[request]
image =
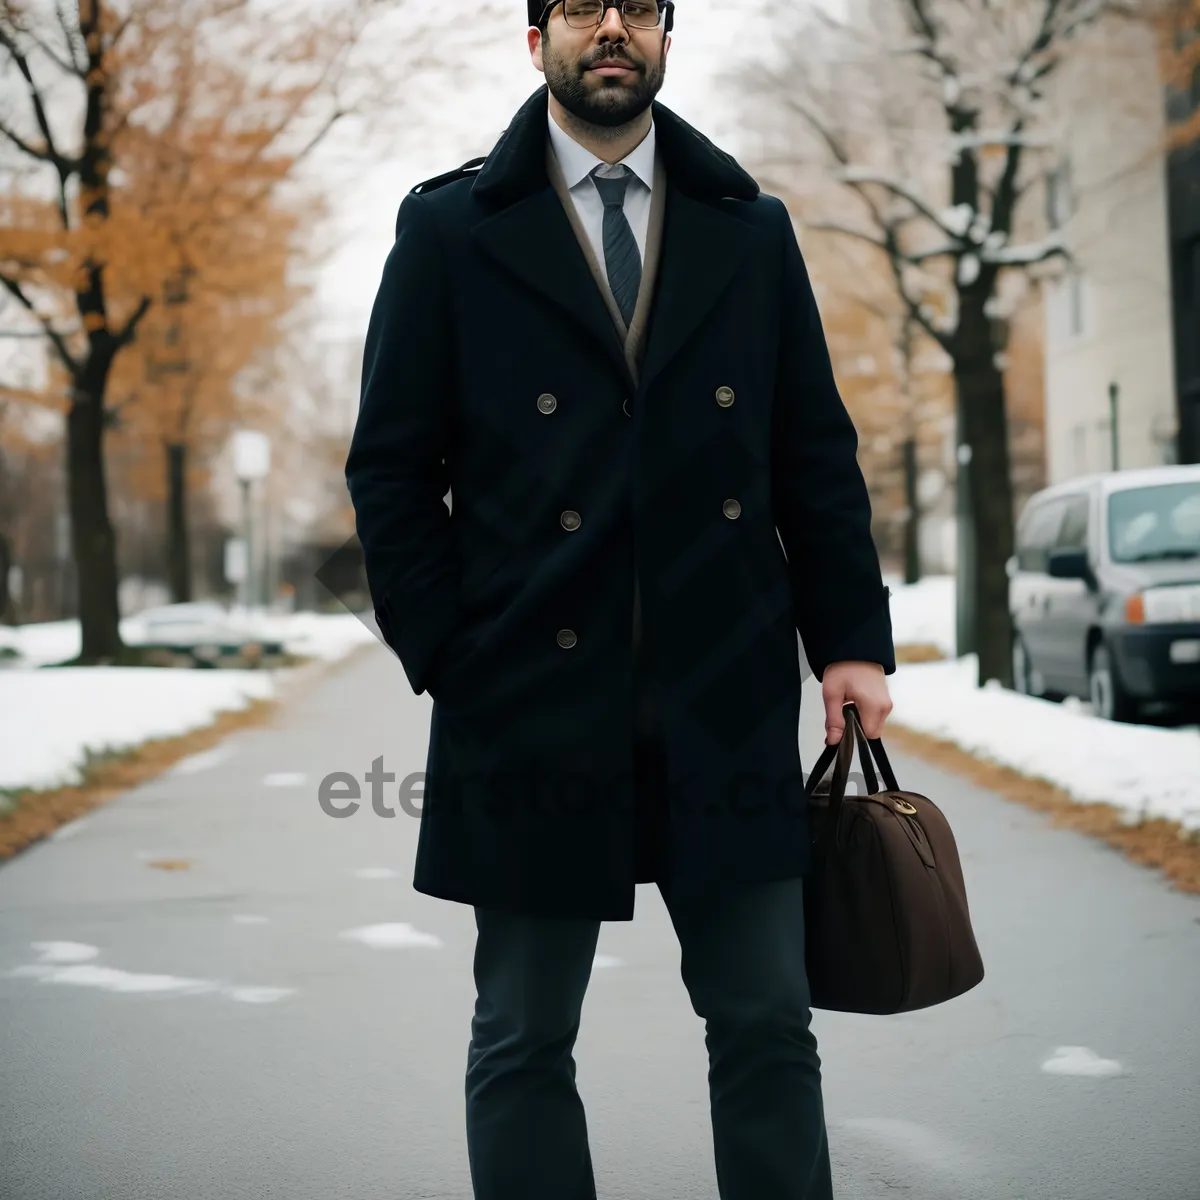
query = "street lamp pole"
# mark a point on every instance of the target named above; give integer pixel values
(247, 577)
(251, 461)
(1113, 393)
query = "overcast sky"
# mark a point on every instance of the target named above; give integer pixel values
(462, 120)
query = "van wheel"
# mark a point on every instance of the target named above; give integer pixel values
(1109, 698)
(1022, 671)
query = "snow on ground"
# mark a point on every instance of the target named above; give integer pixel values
(923, 613)
(50, 718)
(315, 635)
(1142, 769)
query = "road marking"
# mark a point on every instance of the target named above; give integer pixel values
(249, 919)
(69, 963)
(1080, 1061)
(258, 995)
(394, 936)
(284, 779)
(606, 960)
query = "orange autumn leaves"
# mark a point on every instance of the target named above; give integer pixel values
(1179, 41)
(163, 183)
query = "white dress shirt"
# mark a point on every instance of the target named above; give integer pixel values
(577, 164)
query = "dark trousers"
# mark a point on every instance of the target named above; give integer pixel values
(743, 966)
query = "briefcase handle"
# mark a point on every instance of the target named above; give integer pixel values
(842, 756)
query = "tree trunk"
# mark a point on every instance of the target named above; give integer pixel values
(179, 563)
(912, 523)
(981, 392)
(7, 608)
(93, 543)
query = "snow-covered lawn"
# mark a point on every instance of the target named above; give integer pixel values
(923, 613)
(1144, 770)
(313, 635)
(49, 719)
(1141, 769)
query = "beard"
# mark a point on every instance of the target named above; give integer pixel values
(615, 102)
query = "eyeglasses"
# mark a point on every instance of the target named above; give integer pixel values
(588, 14)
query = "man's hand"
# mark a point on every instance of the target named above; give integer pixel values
(862, 684)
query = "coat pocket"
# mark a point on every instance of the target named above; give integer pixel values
(456, 675)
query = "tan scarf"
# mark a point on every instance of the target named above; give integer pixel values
(633, 338)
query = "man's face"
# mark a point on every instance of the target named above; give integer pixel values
(607, 75)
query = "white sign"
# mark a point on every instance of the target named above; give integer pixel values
(251, 454)
(236, 560)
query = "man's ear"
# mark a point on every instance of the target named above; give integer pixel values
(534, 38)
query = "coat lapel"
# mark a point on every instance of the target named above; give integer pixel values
(635, 340)
(701, 252)
(533, 241)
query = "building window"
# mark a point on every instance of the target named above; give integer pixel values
(1059, 201)
(1075, 303)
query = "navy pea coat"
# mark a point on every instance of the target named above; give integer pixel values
(509, 477)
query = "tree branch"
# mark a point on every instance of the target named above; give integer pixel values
(130, 330)
(889, 247)
(64, 164)
(56, 339)
(69, 36)
(861, 176)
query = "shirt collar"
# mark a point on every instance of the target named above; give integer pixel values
(578, 163)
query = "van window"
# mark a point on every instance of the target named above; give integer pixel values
(1073, 533)
(1150, 524)
(1038, 531)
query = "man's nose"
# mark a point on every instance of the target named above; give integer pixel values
(611, 25)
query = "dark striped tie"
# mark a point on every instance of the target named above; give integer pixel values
(622, 258)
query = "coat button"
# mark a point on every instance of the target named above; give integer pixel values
(570, 520)
(627, 407)
(567, 638)
(547, 403)
(724, 396)
(732, 509)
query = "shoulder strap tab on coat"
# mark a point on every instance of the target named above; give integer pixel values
(468, 168)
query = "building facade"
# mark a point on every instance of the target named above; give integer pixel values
(1110, 348)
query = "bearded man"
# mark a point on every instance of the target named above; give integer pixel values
(601, 343)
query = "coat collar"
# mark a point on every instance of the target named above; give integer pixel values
(526, 230)
(516, 166)
(577, 162)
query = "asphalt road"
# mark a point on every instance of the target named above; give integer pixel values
(119, 1080)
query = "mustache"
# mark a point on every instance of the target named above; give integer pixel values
(609, 54)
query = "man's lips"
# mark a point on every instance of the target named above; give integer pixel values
(611, 66)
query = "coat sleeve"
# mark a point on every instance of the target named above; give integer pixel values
(820, 500)
(396, 471)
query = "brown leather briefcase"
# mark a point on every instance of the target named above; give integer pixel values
(887, 928)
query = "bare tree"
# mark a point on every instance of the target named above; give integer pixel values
(930, 125)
